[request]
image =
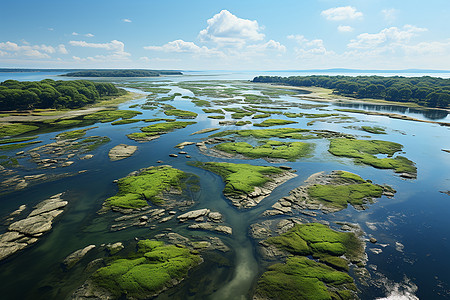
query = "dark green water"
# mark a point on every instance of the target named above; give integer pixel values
(414, 225)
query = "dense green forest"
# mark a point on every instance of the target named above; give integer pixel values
(19, 95)
(121, 73)
(427, 91)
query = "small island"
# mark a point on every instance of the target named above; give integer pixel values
(121, 73)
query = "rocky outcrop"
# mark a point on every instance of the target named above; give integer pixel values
(194, 214)
(121, 151)
(27, 231)
(259, 193)
(76, 256)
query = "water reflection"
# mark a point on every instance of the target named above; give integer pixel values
(430, 114)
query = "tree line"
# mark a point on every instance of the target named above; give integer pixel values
(48, 93)
(426, 91)
(121, 73)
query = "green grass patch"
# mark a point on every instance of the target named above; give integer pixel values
(213, 111)
(147, 272)
(149, 185)
(271, 149)
(363, 151)
(263, 133)
(240, 179)
(7, 129)
(274, 122)
(17, 140)
(217, 117)
(73, 134)
(304, 279)
(374, 129)
(107, 116)
(181, 113)
(161, 128)
(200, 103)
(127, 121)
(17, 146)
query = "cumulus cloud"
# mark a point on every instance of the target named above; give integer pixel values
(342, 13)
(62, 49)
(182, 46)
(225, 28)
(126, 20)
(75, 33)
(269, 46)
(117, 49)
(387, 36)
(89, 35)
(34, 51)
(308, 48)
(345, 28)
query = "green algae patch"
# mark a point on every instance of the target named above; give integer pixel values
(263, 133)
(126, 121)
(302, 278)
(317, 240)
(73, 134)
(8, 129)
(17, 140)
(153, 131)
(261, 116)
(213, 110)
(271, 149)
(161, 128)
(17, 146)
(374, 129)
(90, 143)
(107, 116)
(240, 178)
(152, 269)
(341, 195)
(184, 114)
(364, 151)
(217, 117)
(147, 185)
(274, 122)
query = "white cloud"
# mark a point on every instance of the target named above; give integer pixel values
(269, 46)
(182, 46)
(225, 28)
(390, 15)
(387, 36)
(309, 48)
(342, 13)
(126, 20)
(75, 33)
(36, 51)
(89, 35)
(345, 28)
(62, 49)
(431, 48)
(116, 47)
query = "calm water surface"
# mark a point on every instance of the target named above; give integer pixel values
(413, 228)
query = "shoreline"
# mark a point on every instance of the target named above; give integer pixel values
(325, 95)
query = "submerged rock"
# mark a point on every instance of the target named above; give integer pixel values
(24, 232)
(121, 151)
(76, 256)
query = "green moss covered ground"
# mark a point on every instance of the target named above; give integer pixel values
(274, 122)
(158, 129)
(106, 116)
(264, 133)
(240, 179)
(153, 268)
(184, 114)
(304, 278)
(373, 129)
(364, 151)
(8, 129)
(148, 185)
(271, 149)
(17, 146)
(73, 134)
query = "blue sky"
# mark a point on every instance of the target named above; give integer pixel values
(226, 35)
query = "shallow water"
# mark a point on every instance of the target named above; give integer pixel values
(414, 225)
